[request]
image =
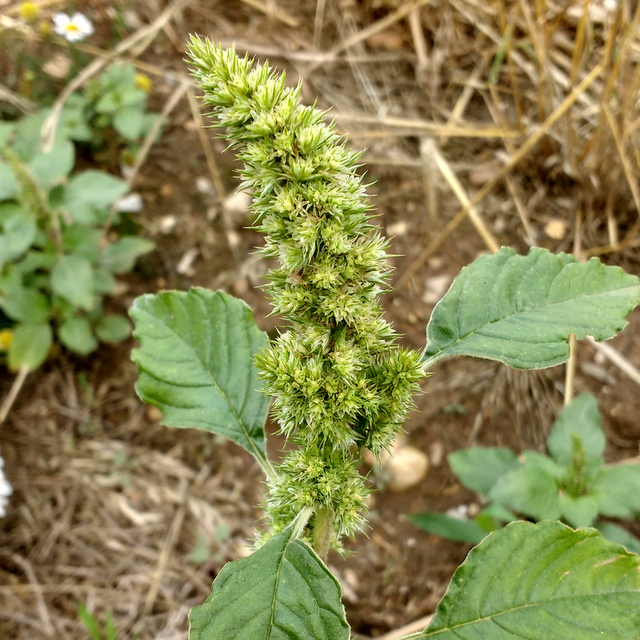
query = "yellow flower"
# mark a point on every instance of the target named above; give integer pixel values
(144, 82)
(44, 28)
(6, 337)
(29, 11)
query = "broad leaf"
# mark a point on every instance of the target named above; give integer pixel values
(520, 310)
(616, 533)
(17, 231)
(528, 490)
(90, 191)
(128, 122)
(82, 241)
(8, 184)
(50, 168)
(76, 334)
(30, 346)
(103, 282)
(578, 511)
(579, 418)
(72, 279)
(281, 592)
(196, 364)
(450, 528)
(541, 581)
(617, 489)
(121, 255)
(113, 328)
(479, 468)
(25, 305)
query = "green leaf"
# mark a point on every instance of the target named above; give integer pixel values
(281, 592)
(541, 582)
(196, 364)
(498, 513)
(528, 490)
(109, 102)
(89, 621)
(8, 184)
(6, 129)
(17, 231)
(578, 511)
(579, 418)
(25, 305)
(618, 490)
(113, 328)
(30, 346)
(82, 241)
(520, 310)
(545, 463)
(479, 468)
(76, 334)
(450, 528)
(121, 255)
(619, 535)
(72, 279)
(128, 122)
(28, 132)
(103, 282)
(91, 191)
(35, 260)
(50, 168)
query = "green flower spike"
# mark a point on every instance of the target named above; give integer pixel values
(338, 379)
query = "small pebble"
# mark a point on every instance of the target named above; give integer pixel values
(406, 468)
(436, 453)
(237, 203)
(556, 229)
(153, 413)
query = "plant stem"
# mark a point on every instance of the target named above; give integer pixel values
(322, 531)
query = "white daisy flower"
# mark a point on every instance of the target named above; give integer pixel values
(74, 28)
(5, 491)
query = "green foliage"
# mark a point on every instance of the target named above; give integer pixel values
(115, 102)
(341, 385)
(282, 591)
(56, 262)
(195, 364)
(571, 484)
(93, 626)
(539, 582)
(520, 310)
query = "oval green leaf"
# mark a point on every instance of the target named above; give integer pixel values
(479, 468)
(196, 364)
(72, 279)
(445, 526)
(113, 328)
(541, 581)
(30, 346)
(76, 335)
(281, 592)
(520, 310)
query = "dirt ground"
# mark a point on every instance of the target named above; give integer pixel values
(115, 511)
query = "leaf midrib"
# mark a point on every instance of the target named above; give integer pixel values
(508, 316)
(518, 608)
(259, 455)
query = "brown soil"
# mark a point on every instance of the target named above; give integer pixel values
(112, 510)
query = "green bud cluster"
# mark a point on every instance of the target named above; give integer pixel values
(338, 379)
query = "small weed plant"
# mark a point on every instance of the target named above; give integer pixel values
(341, 385)
(57, 257)
(571, 484)
(115, 102)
